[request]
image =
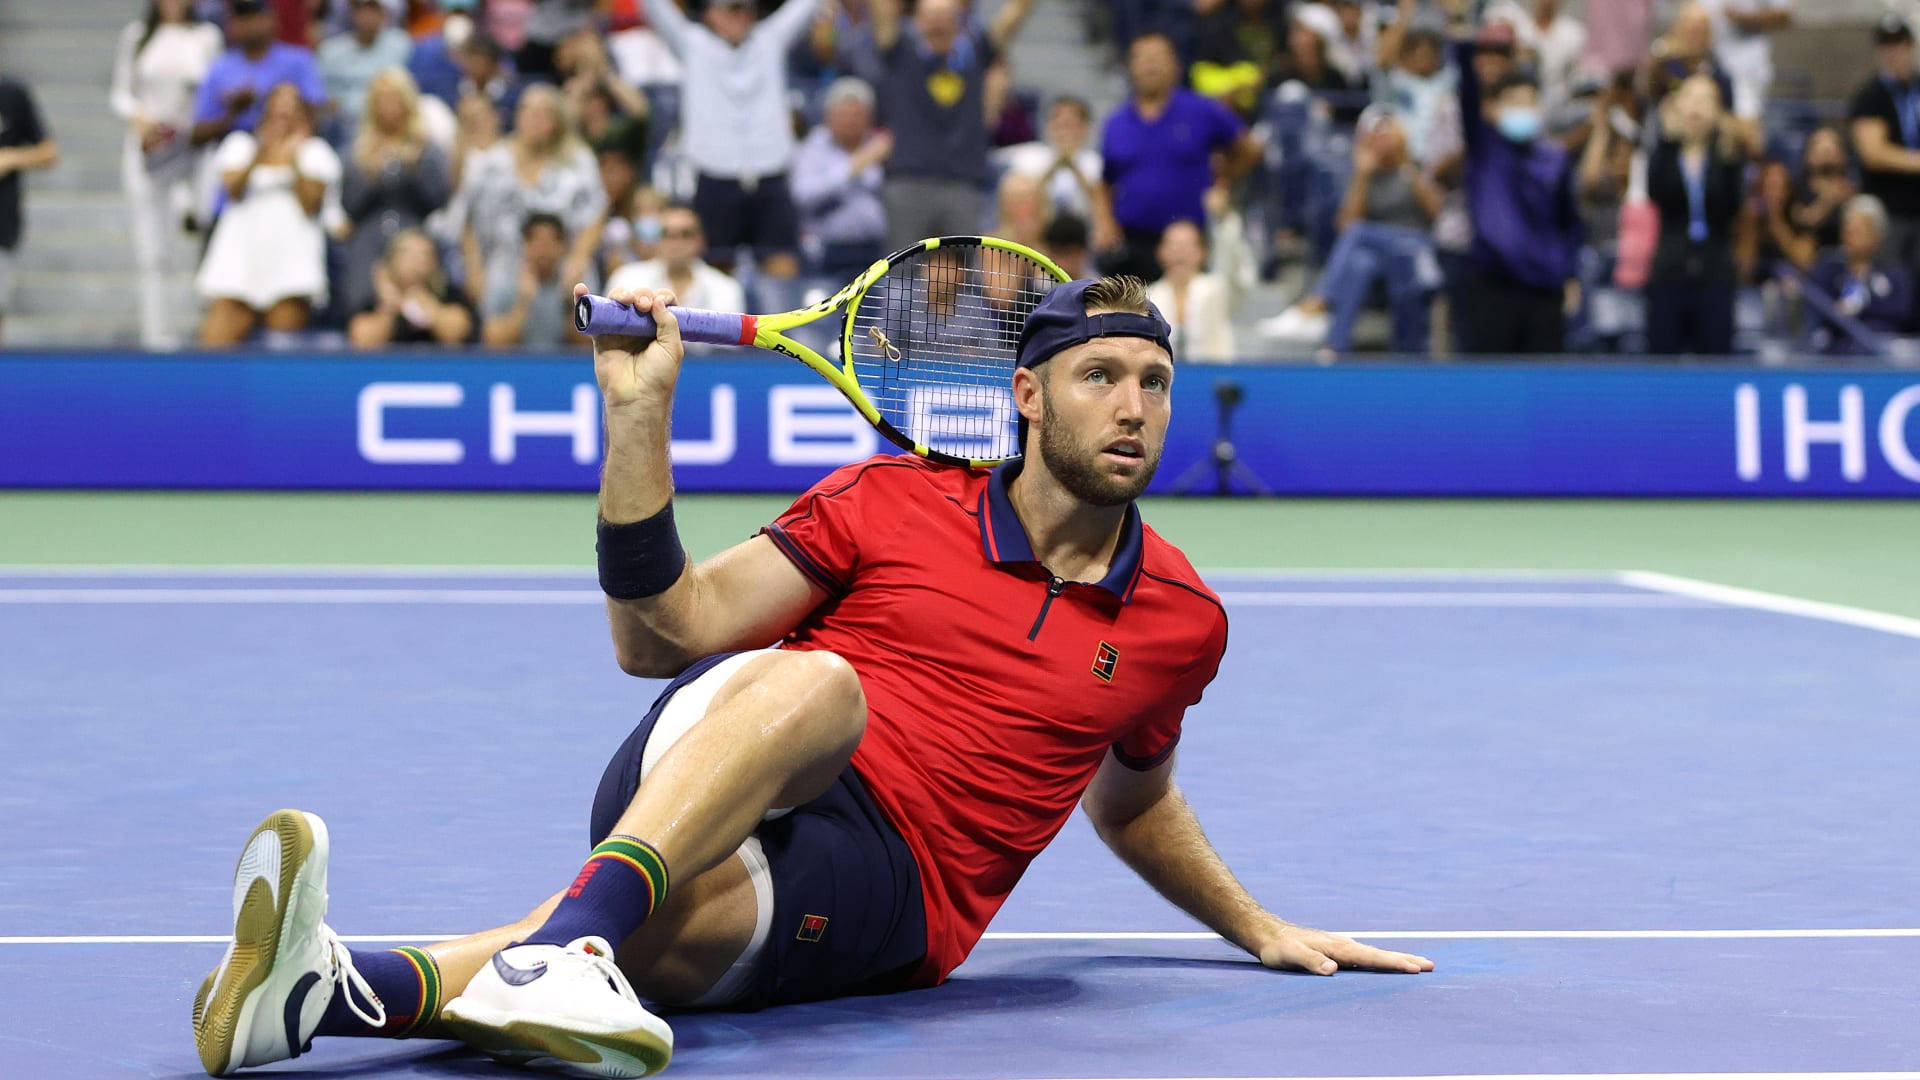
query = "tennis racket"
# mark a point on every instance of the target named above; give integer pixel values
(927, 350)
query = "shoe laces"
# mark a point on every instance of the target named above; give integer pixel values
(345, 972)
(598, 964)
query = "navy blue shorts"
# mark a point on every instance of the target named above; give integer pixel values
(848, 916)
(732, 214)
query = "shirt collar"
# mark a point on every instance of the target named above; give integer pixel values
(1004, 539)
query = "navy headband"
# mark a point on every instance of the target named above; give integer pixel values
(1061, 321)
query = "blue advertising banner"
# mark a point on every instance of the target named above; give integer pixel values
(490, 423)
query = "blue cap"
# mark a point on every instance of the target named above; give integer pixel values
(1061, 321)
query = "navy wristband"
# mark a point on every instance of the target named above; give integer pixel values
(640, 559)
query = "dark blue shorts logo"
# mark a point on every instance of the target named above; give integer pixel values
(811, 927)
(1105, 659)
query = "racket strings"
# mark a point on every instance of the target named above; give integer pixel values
(935, 342)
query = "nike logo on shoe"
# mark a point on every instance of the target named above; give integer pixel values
(296, 998)
(516, 976)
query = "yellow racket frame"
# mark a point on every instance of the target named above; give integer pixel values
(770, 333)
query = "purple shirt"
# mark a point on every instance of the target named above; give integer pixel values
(281, 63)
(1526, 223)
(1159, 169)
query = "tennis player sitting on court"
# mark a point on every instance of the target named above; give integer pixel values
(963, 656)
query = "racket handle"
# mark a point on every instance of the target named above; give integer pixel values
(596, 315)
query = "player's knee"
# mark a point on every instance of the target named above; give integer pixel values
(836, 701)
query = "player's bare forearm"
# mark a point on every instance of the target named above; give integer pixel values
(1145, 820)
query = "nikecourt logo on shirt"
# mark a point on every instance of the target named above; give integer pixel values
(1105, 659)
(811, 927)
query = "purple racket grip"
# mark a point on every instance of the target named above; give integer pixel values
(596, 315)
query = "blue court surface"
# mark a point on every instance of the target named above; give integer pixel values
(1641, 824)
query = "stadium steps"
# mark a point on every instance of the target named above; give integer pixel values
(77, 255)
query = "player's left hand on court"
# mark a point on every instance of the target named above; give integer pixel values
(1297, 948)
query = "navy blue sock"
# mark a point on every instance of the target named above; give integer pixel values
(407, 983)
(623, 882)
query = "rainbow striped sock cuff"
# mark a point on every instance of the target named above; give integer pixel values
(645, 861)
(429, 976)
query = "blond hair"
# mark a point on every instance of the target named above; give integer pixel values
(366, 144)
(566, 137)
(1117, 292)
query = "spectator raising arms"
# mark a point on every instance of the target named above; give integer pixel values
(1742, 42)
(680, 268)
(535, 309)
(933, 97)
(837, 180)
(734, 124)
(267, 258)
(1157, 152)
(1064, 162)
(159, 66)
(1696, 177)
(412, 303)
(1527, 232)
(394, 178)
(231, 98)
(1199, 303)
(541, 168)
(349, 61)
(1885, 123)
(1867, 284)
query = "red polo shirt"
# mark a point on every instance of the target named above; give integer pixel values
(994, 689)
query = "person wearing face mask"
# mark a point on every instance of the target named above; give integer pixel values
(1696, 177)
(1527, 230)
(1884, 121)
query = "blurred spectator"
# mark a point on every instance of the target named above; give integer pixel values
(1551, 36)
(1386, 240)
(1696, 177)
(477, 130)
(1021, 210)
(1200, 303)
(611, 113)
(1354, 48)
(432, 62)
(620, 179)
(1685, 50)
(267, 258)
(1311, 32)
(487, 74)
(1419, 85)
(534, 308)
(232, 97)
(1782, 237)
(541, 168)
(1065, 163)
(161, 59)
(293, 20)
(1867, 284)
(349, 61)
(394, 178)
(25, 144)
(933, 97)
(1885, 123)
(548, 24)
(837, 183)
(1526, 223)
(1158, 152)
(680, 268)
(1606, 161)
(640, 55)
(411, 302)
(1618, 34)
(1066, 242)
(1826, 186)
(1238, 49)
(735, 127)
(1742, 41)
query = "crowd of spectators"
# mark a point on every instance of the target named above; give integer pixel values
(1498, 176)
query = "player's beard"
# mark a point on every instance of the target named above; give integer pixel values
(1078, 468)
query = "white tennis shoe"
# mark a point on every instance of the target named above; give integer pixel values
(568, 1009)
(264, 1000)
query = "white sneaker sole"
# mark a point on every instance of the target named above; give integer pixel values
(280, 893)
(557, 1043)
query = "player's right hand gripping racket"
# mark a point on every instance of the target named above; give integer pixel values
(928, 349)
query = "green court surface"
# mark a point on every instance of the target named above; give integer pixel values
(1854, 553)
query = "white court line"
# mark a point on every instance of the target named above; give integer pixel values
(1122, 935)
(1757, 600)
(1343, 599)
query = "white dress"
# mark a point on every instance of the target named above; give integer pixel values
(265, 248)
